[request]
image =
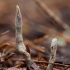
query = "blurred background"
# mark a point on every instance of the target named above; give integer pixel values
(42, 21)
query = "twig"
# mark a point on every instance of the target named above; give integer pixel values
(7, 57)
(56, 19)
(39, 40)
(32, 45)
(4, 45)
(41, 62)
(20, 65)
(4, 33)
(53, 54)
(19, 41)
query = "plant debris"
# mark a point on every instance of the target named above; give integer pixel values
(33, 52)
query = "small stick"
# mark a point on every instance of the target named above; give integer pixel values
(39, 40)
(4, 33)
(41, 62)
(53, 54)
(19, 41)
(56, 19)
(32, 45)
(11, 55)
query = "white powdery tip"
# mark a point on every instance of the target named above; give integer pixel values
(17, 6)
(54, 42)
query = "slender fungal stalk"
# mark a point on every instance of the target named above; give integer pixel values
(19, 41)
(18, 25)
(53, 54)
